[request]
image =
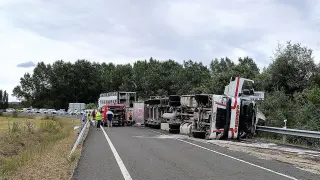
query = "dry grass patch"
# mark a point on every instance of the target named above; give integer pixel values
(36, 143)
(54, 163)
(6, 122)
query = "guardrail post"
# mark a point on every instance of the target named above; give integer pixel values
(284, 137)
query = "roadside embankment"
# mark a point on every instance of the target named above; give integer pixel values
(37, 147)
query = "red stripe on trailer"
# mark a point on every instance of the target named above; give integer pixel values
(221, 130)
(220, 104)
(218, 130)
(232, 131)
(236, 94)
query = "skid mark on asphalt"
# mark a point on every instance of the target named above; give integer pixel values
(176, 137)
(121, 165)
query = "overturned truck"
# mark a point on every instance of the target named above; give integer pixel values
(156, 106)
(230, 116)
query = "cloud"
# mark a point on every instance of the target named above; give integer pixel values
(124, 31)
(26, 64)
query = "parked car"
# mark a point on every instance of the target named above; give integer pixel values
(61, 112)
(52, 111)
(10, 110)
(34, 110)
(27, 110)
(43, 111)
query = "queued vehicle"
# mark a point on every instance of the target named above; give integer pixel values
(10, 110)
(52, 111)
(27, 110)
(61, 112)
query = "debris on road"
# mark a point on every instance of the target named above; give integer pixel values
(305, 159)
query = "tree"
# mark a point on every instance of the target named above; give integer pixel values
(292, 68)
(1, 100)
(4, 99)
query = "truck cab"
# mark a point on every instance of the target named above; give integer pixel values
(119, 112)
(234, 114)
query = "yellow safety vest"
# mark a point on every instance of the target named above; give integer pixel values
(98, 116)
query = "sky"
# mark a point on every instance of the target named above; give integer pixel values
(124, 31)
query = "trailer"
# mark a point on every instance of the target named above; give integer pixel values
(138, 113)
(233, 115)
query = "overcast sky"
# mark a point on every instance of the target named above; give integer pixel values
(122, 31)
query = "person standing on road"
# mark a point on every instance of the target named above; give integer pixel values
(98, 118)
(93, 115)
(89, 117)
(109, 117)
(83, 121)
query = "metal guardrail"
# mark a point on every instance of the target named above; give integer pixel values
(79, 138)
(293, 132)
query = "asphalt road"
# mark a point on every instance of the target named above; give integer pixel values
(145, 154)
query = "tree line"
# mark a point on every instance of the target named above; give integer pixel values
(4, 97)
(291, 82)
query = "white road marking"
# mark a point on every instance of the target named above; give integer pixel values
(121, 165)
(234, 158)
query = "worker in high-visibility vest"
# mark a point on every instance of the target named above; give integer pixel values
(89, 117)
(98, 118)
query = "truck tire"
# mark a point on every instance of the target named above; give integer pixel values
(157, 126)
(174, 100)
(198, 134)
(174, 126)
(174, 131)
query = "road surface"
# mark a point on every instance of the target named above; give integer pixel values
(124, 153)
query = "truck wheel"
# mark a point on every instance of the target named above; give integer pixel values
(174, 131)
(158, 126)
(198, 134)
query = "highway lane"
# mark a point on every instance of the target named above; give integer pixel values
(147, 154)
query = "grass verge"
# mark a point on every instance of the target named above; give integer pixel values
(37, 148)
